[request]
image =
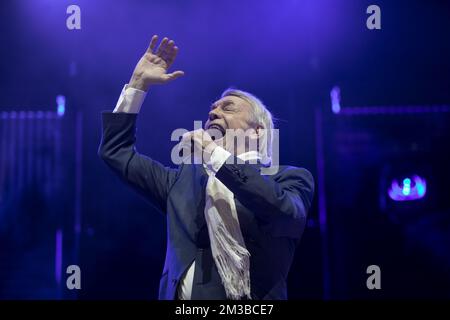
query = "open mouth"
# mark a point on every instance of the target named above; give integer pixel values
(217, 127)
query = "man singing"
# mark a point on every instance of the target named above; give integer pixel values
(232, 230)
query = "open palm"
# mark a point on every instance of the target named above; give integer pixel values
(153, 67)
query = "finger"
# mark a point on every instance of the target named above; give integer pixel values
(173, 75)
(162, 46)
(152, 45)
(198, 132)
(207, 137)
(197, 135)
(187, 139)
(186, 136)
(172, 55)
(168, 49)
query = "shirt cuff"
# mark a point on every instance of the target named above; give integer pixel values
(218, 157)
(130, 100)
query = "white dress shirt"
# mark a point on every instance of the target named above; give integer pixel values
(130, 101)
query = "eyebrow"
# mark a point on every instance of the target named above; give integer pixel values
(225, 102)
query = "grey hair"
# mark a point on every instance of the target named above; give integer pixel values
(261, 116)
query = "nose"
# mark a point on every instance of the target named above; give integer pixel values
(213, 115)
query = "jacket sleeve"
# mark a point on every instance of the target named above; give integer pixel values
(288, 194)
(117, 149)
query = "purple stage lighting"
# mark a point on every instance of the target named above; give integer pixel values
(335, 95)
(58, 255)
(411, 189)
(61, 105)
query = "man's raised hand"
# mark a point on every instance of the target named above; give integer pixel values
(153, 66)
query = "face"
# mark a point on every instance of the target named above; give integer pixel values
(230, 112)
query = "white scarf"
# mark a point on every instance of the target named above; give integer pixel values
(227, 243)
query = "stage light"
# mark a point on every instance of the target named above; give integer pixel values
(58, 255)
(335, 95)
(411, 189)
(406, 187)
(61, 105)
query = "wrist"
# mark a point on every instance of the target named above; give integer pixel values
(136, 82)
(218, 158)
(208, 150)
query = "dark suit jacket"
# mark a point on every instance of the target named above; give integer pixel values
(271, 209)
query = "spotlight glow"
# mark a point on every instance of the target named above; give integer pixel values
(335, 95)
(411, 189)
(61, 105)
